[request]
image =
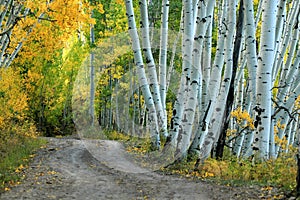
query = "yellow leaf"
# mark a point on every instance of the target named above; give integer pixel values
(32, 156)
(267, 188)
(67, 81)
(51, 172)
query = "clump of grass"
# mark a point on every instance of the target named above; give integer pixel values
(133, 144)
(280, 172)
(230, 170)
(17, 154)
(115, 135)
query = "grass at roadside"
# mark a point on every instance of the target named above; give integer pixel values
(18, 152)
(279, 173)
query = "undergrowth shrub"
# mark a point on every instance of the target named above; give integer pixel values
(115, 135)
(19, 151)
(17, 131)
(280, 172)
(14, 122)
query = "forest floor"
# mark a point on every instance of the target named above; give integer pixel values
(66, 169)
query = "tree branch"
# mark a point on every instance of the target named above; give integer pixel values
(280, 108)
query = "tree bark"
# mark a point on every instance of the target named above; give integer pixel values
(231, 97)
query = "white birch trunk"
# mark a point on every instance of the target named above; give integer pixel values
(154, 134)
(285, 114)
(213, 87)
(288, 134)
(92, 75)
(288, 74)
(251, 54)
(287, 34)
(162, 122)
(204, 99)
(292, 136)
(219, 108)
(240, 139)
(263, 106)
(185, 131)
(281, 17)
(188, 33)
(163, 54)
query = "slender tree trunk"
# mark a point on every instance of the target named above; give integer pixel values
(188, 33)
(152, 69)
(231, 97)
(163, 60)
(92, 75)
(153, 122)
(219, 108)
(185, 130)
(263, 106)
(210, 88)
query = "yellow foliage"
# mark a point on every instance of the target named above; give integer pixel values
(19, 169)
(243, 117)
(283, 141)
(297, 103)
(169, 109)
(13, 99)
(212, 167)
(135, 96)
(99, 8)
(115, 135)
(45, 33)
(230, 132)
(121, 2)
(51, 172)
(115, 20)
(281, 172)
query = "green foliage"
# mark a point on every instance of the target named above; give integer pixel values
(49, 87)
(111, 20)
(175, 15)
(139, 146)
(280, 172)
(109, 78)
(231, 170)
(115, 135)
(19, 151)
(133, 144)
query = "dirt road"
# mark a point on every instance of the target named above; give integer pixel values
(65, 169)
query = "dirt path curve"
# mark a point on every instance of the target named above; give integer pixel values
(65, 169)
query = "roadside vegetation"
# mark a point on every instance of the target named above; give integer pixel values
(44, 46)
(15, 156)
(279, 174)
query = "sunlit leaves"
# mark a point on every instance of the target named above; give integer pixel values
(51, 26)
(112, 20)
(281, 142)
(12, 97)
(243, 116)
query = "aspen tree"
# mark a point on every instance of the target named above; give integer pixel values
(152, 116)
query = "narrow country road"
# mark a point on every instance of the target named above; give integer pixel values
(65, 169)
